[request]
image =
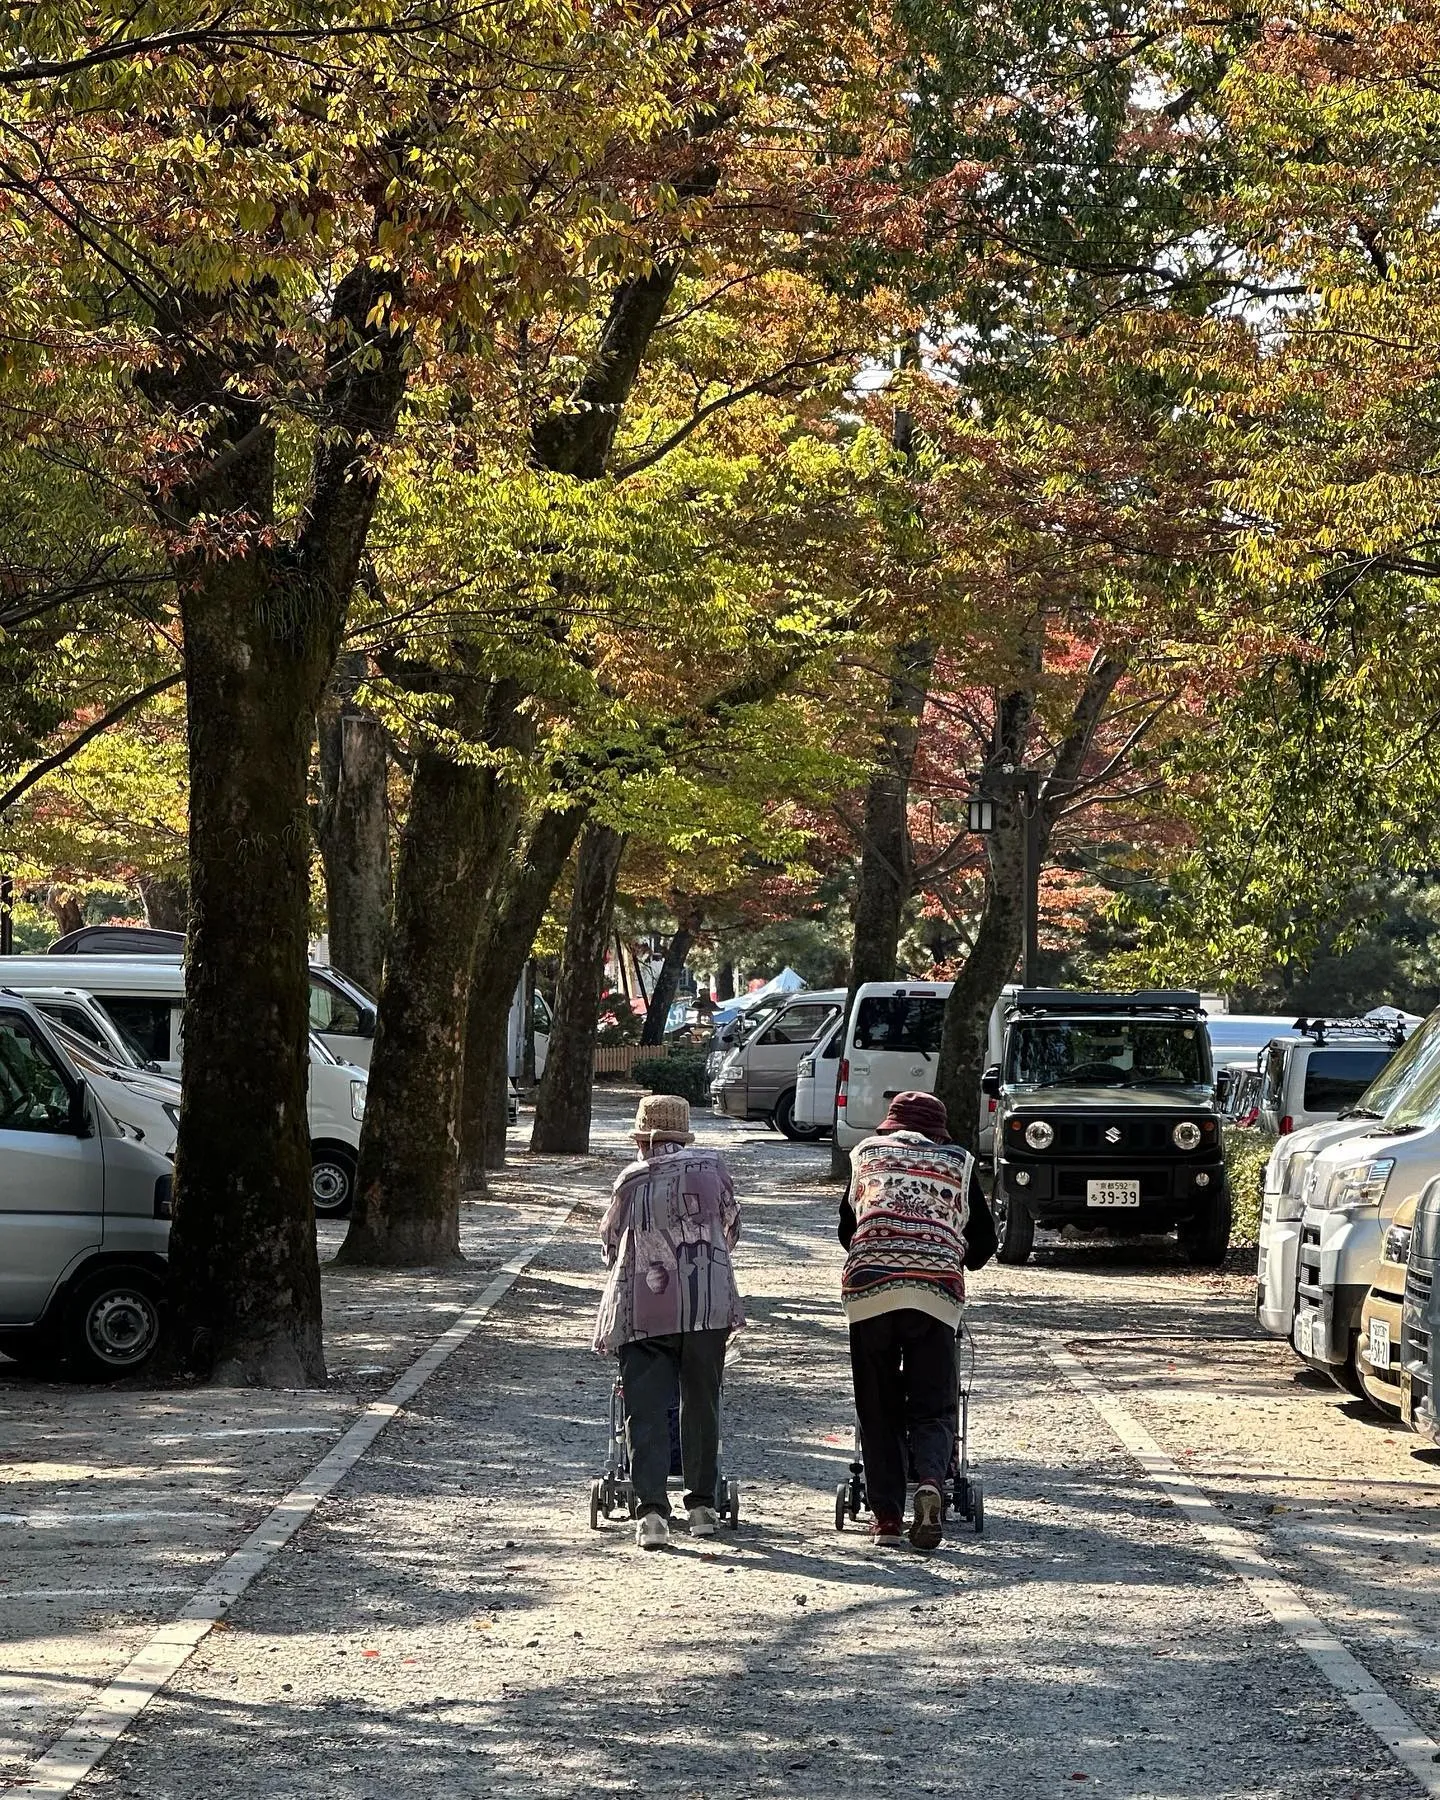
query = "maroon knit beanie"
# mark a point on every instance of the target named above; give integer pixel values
(918, 1112)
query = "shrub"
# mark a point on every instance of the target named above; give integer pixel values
(1246, 1153)
(683, 1075)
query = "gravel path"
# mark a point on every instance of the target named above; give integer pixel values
(448, 1625)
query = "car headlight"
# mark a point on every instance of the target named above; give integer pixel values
(357, 1099)
(1186, 1135)
(1039, 1134)
(1358, 1186)
(1397, 1244)
(171, 1112)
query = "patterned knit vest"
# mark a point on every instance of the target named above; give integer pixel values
(910, 1199)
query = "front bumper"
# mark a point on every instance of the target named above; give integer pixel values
(1056, 1190)
(1417, 1363)
(730, 1101)
(1276, 1270)
(1380, 1327)
(1339, 1254)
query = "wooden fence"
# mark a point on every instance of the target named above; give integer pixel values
(620, 1059)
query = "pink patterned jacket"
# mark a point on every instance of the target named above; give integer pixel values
(666, 1240)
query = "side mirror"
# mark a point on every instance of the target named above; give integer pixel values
(368, 1016)
(990, 1082)
(82, 1123)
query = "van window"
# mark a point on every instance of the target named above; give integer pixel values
(34, 1095)
(332, 1011)
(541, 1018)
(77, 1019)
(900, 1022)
(800, 1024)
(144, 1023)
(1335, 1079)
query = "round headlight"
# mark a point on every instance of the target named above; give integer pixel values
(1186, 1135)
(1039, 1134)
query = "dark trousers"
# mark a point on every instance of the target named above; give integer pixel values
(650, 1371)
(906, 1395)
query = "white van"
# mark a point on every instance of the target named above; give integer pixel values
(84, 1213)
(1352, 1189)
(144, 996)
(148, 1104)
(816, 1075)
(891, 1046)
(1287, 1173)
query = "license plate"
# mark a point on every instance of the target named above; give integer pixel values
(1379, 1343)
(1305, 1333)
(1112, 1193)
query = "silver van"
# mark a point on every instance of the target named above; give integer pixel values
(84, 1214)
(757, 1078)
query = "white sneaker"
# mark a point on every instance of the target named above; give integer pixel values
(652, 1531)
(704, 1521)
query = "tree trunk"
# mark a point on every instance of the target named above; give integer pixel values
(562, 1109)
(166, 899)
(725, 981)
(262, 629)
(886, 874)
(353, 830)
(506, 940)
(667, 983)
(1000, 937)
(69, 915)
(245, 1282)
(460, 829)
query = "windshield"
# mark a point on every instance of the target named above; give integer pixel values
(1407, 1090)
(1108, 1052)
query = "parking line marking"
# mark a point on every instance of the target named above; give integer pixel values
(116, 1707)
(1406, 1741)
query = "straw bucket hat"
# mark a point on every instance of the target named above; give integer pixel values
(663, 1118)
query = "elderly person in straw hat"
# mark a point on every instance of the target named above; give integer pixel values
(669, 1307)
(913, 1219)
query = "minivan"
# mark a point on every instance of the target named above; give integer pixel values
(84, 1213)
(1324, 1073)
(144, 997)
(756, 1080)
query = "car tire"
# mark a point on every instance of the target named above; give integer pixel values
(332, 1181)
(1014, 1227)
(1347, 1377)
(1205, 1239)
(113, 1324)
(784, 1120)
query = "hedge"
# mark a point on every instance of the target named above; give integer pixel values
(1246, 1153)
(683, 1075)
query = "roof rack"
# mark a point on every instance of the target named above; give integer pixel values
(1389, 1031)
(1145, 1000)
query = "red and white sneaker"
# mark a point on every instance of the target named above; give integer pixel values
(887, 1531)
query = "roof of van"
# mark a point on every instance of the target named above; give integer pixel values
(93, 974)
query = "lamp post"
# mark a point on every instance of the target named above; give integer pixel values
(980, 815)
(7, 916)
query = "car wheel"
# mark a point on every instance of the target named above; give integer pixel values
(332, 1182)
(784, 1117)
(114, 1324)
(1206, 1238)
(1014, 1227)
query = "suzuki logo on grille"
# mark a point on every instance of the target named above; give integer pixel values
(1112, 1136)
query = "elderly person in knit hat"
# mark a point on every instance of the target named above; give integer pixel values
(669, 1307)
(913, 1218)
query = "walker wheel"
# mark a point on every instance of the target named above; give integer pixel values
(977, 1500)
(732, 1494)
(597, 1503)
(842, 1504)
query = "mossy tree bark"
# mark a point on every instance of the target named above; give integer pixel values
(262, 629)
(353, 829)
(461, 828)
(506, 939)
(562, 1109)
